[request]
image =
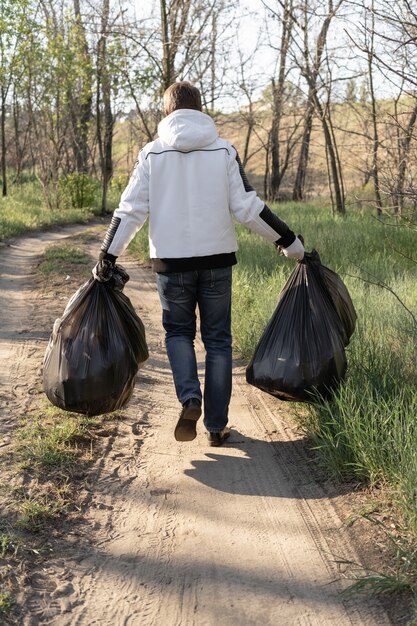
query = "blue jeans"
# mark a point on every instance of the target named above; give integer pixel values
(180, 293)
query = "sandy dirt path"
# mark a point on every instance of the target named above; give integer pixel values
(179, 534)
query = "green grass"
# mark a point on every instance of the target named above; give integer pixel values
(139, 245)
(59, 258)
(8, 543)
(368, 431)
(38, 512)
(368, 428)
(25, 209)
(400, 575)
(51, 445)
(6, 603)
(54, 440)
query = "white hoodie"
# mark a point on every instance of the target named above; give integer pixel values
(190, 185)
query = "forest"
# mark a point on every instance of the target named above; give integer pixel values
(319, 96)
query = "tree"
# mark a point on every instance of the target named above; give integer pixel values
(278, 166)
(13, 30)
(390, 47)
(350, 95)
(311, 66)
(56, 89)
(375, 138)
(81, 98)
(104, 118)
(48, 82)
(180, 41)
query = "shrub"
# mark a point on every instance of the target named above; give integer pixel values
(119, 183)
(78, 190)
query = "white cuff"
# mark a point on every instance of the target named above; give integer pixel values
(295, 250)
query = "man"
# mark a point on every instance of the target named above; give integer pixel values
(191, 184)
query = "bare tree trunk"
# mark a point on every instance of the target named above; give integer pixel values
(336, 182)
(274, 143)
(247, 114)
(311, 71)
(311, 76)
(278, 100)
(3, 141)
(168, 70)
(213, 59)
(174, 21)
(18, 147)
(375, 141)
(300, 177)
(403, 163)
(266, 172)
(17, 137)
(82, 103)
(104, 135)
(249, 130)
(108, 145)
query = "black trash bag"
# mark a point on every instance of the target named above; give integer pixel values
(342, 301)
(301, 352)
(95, 349)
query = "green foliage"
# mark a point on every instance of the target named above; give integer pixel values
(78, 190)
(119, 183)
(139, 245)
(54, 441)
(13, 30)
(8, 544)
(24, 209)
(36, 513)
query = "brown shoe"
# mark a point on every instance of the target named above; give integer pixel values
(186, 428)
(217, 439)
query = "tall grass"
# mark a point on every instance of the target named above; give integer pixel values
(369, 429)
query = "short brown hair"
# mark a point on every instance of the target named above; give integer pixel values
(182, 95)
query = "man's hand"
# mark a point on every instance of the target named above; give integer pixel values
(295, 250)
(103, 271)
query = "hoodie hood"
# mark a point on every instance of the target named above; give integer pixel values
(187, 129)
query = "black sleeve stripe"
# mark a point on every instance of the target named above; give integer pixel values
(286, 240)
(280, 227)
(246, 183)
(114, 225)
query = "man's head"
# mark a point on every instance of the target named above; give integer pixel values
(181, 95)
